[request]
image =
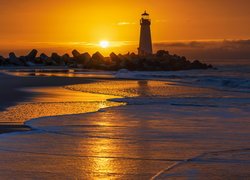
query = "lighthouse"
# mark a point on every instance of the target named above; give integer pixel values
(145, 47)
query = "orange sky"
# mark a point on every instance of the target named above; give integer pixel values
(26, 23)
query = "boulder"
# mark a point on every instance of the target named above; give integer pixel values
(162, 53)
(86, 56)
(75, 53)
(97, 60)
(98, 57)
(38, 61)
(57, 59)
(14, 60)
(198, 65)
(162, 60)
(133, 55)
(45, 59)
(32, 55)
(114, 58)
(2, 60)
(66, 59)
(83, 59)
(23, 59)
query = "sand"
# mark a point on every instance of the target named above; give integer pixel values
(11, 95)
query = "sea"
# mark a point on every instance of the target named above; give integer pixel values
(149, 125)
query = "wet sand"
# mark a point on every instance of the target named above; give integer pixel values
(11, 94)
(10, 85)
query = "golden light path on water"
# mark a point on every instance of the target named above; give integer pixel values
(54, 101)
(140, 88)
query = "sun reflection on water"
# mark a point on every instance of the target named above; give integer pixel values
(135, 88)
(54, 101)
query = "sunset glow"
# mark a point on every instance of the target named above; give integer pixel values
(28, 25)
(124, 89)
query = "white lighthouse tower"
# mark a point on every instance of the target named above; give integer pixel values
(145, 47)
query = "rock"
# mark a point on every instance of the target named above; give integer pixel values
(83, 59)
(198, 65)
(29, 63)
(98, 57)
(114, 62)
(133, 55)
(86, 56)
(114, 58)
(69, 61)
(162, 53)
(210, 66)
(57, 59)
(12, 56)
(23, 59)
(183, 58)
(38, 61)
(75, 53)
(160, 61)
(97, 60)
(32, 55)
(45, 59)
(66, 59)
(72, 64)
(2, 60)
(14, 60)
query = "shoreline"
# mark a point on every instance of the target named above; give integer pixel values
(33, 90)
(13, 84)
(17, 83)
(13, 127)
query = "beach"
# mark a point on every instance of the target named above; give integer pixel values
(125, 90)
(144, 127)
(15, 90)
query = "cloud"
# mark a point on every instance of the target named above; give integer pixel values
(125, 23)
(226, 49)
(161, 20)
(193, 44)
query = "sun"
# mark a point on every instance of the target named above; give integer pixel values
(104, 44)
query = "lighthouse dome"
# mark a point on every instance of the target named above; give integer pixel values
(145, 13)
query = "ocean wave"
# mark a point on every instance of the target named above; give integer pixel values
(189, 101)
(222, 80)
(235, 84)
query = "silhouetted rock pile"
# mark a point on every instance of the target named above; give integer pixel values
(161, 61)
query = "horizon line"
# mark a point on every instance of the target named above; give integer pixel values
(121, 43)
